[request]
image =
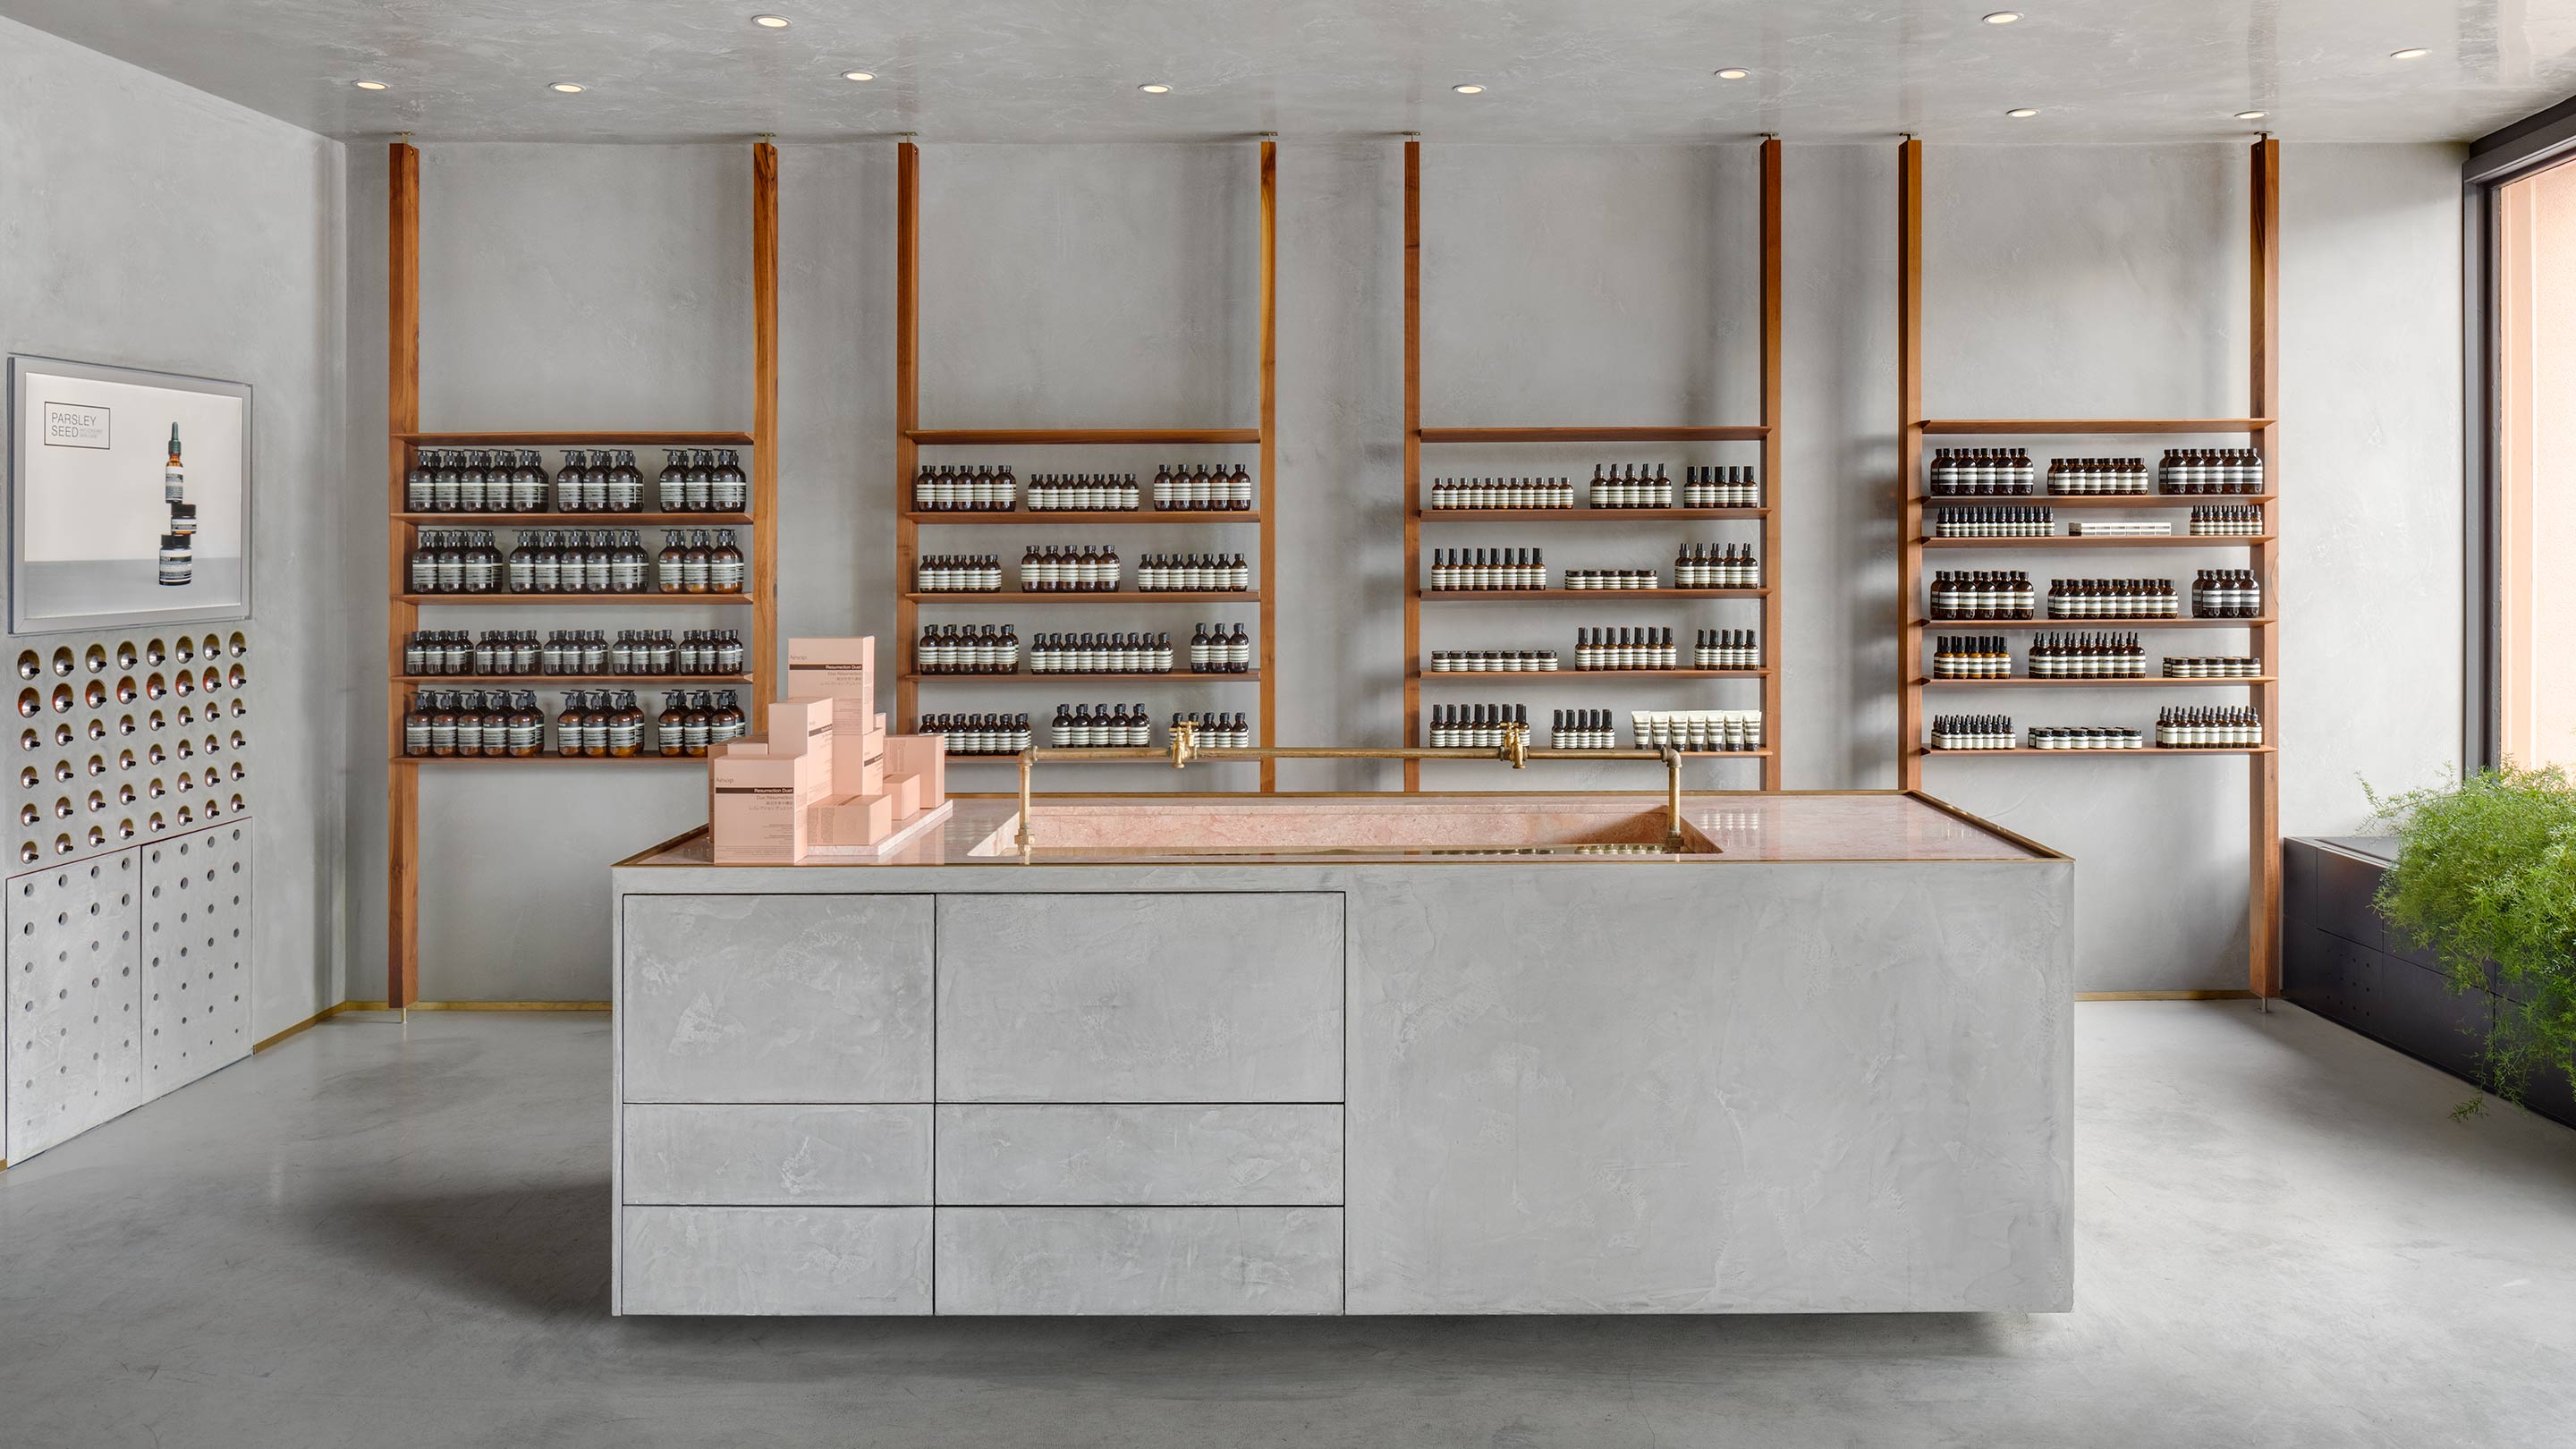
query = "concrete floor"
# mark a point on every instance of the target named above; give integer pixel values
(391, 1236)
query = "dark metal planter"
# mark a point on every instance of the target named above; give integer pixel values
(2340, 960)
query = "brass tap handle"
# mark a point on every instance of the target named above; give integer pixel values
(1185, 742)
(1515, 750)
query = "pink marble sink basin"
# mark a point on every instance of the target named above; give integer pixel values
(1326, 826)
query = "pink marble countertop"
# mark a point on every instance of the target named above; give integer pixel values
(1842, 826)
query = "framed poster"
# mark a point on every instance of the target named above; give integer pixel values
(129, 497)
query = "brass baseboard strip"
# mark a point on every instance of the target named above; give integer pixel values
(507, 1006)
(2164, 996)
(328, 1012)
(310, 1022)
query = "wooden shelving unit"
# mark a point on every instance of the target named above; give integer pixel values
(1050, 518)
(2144, 754)
(2152, 683)
(405, 437)
(1417, 515)
(1114, 596)
(580, 601)
(2240, 540)
(1565, 676)
(911, 437)
(1510, 596)
(574, 520)
(1131, 677)
(2259, 428)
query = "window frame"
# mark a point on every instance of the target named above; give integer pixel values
(2522, 149)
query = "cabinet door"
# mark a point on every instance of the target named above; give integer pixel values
(75, 1041)
(196, 955)
(1121, 1260)
(775, 999)
(775, 1260)
(1141, 998)
(1258, 1155)
(759, 1154)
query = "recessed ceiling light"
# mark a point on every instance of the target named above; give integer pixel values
(567, 87)
(1154, 88)
(370, 85)
(1733, 72)
(2003, 17)
(2412, 52)
(858, 75)
(770, 22)
(2251, 115)
(1469, 90)
(2021, 113)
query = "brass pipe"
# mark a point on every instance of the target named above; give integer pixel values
(1185, 750)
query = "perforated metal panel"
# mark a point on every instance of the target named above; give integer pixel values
(125, 744)
(196, 955)
(126, 738)
(75, 1052)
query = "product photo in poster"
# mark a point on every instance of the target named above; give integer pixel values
(129, 496)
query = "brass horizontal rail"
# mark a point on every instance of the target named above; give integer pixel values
(1185, 750)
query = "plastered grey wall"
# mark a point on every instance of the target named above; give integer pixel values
(1082, 285)
(145, 224)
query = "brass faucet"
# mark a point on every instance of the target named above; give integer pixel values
(1184, 750)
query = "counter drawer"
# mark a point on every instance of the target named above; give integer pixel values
(1207, 997)
(776, 1260)
(775, 998)
(1126, 1260)
(1273, 1155)
(765, 1155)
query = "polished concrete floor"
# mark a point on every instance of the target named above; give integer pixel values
(390, 1236)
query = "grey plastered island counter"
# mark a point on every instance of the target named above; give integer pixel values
(1206, 1055)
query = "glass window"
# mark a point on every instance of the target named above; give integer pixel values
(2534, 518)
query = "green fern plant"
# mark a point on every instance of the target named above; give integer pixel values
(2486, 879)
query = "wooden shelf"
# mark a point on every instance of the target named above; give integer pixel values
(2074, 427)
(2092, 500)
(2152, 682)
(1588, 515)
(756, 516)
(575, 681)
(1920, 546)
(1563, 676)
(576, 520)
(2105, 625)
(1761, 754)
(1033, 677)
(549, 759)
(1117, 596)
(2158, 751)
(2240, 540)
(576, 440)
(1076, 437)
(581, 601)
(1737, 433)
(1456, 596)
(1766, 430)
(1258, 267)
(1037, 518)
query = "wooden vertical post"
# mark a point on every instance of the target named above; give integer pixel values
(1774, 654)
(1266, 493)
(1909, 461)
(402, 415)
(2263, 897)
(907, 420)
(764, 430)
(1412, 458)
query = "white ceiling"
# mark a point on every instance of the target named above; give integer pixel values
(1582, 70)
